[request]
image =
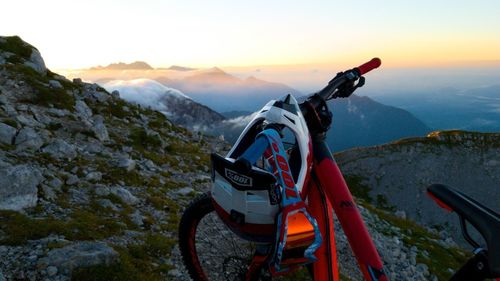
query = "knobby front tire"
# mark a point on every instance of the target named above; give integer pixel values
(209, 249)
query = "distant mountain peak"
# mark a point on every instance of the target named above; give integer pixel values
(180, 68)
(252, 78)
(138, 65)
(215, 70)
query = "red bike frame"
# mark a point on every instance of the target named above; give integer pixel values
(326, 189)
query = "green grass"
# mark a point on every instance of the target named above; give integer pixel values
(11, 122)
(81, 225)
(14, 44)
(44, 95)
(115, 109)
(136, 262)
(357, 188)
(140, 139)
(440, 258)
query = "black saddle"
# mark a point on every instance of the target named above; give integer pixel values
(485, 220)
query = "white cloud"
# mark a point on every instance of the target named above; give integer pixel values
(145, 92)
(240, 121)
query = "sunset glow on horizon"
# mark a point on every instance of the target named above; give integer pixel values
(81, 34)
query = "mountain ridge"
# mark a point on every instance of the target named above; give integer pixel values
(137, 65)
(397, 174)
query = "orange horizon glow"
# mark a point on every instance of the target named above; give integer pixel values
(222, 33)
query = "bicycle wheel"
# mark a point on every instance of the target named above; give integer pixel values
(209, 249)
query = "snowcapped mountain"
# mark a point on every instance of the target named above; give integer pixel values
(179, 108)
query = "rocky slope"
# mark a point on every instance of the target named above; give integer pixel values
(90, 185)
(396, 175)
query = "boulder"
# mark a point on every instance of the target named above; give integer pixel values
(185, 191)
(125, 195)
(137, 218)
(93, 176)
(36, 62)
(125, 162)
(60, 149)
(82, 110)
(28, 120)
(79, 255)
(48, 192)
(29, 139)
(7, 133)
(18, 187)
(99, 129)
(55, 84)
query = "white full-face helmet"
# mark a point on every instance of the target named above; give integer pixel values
(247, 201)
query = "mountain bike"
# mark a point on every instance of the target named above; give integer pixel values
(270, 209)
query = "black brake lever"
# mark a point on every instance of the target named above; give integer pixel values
(349, 87)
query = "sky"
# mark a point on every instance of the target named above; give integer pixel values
(80, 34)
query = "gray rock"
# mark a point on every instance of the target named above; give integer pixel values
(82, 110)
(79, 196)
(100, 96)
(28, 120)
(60, 149)
(40, 117)
(99, 129)
(93, 147)
(3, 99)
(58, 112)
(29, 139)
(36, 62)
(18, 187)
(125, 163)
(106, 203)
(115, 94)
(78, 255)
(102, 190)
(94, 176)
(137, 218)
(72, 180)
(423, 268)
(125, 195)
(22, 107)
(184, 191)
(48, 192)
(174, 273)
(55, 84)
(400, 214)
(77, 80)
(7, 133)
(55, 183)
(51, 271)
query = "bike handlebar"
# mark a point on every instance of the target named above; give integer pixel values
(369, 66)
(341, 86)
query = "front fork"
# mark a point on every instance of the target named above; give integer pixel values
(332, 183)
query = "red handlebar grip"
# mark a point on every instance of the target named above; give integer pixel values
(368, 66)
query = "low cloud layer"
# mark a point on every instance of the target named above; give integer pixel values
(145, 92)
